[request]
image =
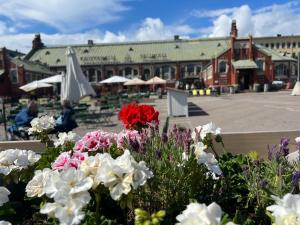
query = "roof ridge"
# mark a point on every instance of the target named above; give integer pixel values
(140, 42)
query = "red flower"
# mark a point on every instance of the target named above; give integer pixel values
(138, 116)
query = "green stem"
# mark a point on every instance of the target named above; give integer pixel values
(98, 200)
(213, 149)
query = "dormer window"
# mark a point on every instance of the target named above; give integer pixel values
(47, 53)
(177, 46)
(85, 51)
(130, 49)
(58, 61)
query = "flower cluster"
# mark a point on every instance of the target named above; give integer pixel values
(201, 214)
(78, 173)
(286, 210)
(69, 190)
(3, 195)
(119, 175)
(64, 138)
(16, 159)
(96, 140)
(136, 116)
(42, 124)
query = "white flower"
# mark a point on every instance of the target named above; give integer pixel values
(286, 210)
(208, 159)
(2, 222)
(199, 148)
(36, 187)
(66, 137)
(41, 124)
(206, 129)
(16, 159)
(91, 165)
(200, 214)
(67, 214)
(141, 174)
(117, 175)
(4, 195)
(297, 139)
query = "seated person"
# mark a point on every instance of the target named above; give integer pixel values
(23, 119)
(66, 122)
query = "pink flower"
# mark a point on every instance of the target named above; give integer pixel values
(65, 160)
(96, 140)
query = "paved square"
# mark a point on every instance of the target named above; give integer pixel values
(246, 112)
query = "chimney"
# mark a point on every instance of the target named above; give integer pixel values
(37, 42)
(90, 42)
(176, 38)
(234, 30)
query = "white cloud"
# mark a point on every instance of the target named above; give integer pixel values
(149, 29)
(64, 15)
(270, 20)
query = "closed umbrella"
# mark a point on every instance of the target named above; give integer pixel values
(134, 82)
(74, 83)
(34, 85)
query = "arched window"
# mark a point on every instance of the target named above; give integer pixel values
(222, 67)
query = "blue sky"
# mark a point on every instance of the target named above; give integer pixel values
(76, 21)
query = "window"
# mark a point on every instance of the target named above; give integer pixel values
(272, 45)
(146, 74)
(260, 64)
(281, 69)
(267, 45)
(157, 72)
(198, 70)
(294, 44)
(109, 73)
(92, 75)
(222, 67)
(166, 72)
(172, 73)
(283, 45)
(191, 69)
(298, 44)
(13, 74)
(277, 45)
(288, 45)
(128, 72)
(98, 75)
(135, 72)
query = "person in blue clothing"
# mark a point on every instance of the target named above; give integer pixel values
(23, 119)
(66, 122)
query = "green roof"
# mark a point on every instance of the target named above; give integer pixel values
(244, 64)
(32, 66)
(276, 56)
(135, 52)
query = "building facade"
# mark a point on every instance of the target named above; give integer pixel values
(225, 61)
(15, 72)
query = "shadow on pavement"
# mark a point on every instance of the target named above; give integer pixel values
(195, 110)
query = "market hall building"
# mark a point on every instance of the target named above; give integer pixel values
(222, 61)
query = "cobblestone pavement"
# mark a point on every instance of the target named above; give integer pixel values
(246, 112)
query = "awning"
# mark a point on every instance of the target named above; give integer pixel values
(2, 72)
(244, 64)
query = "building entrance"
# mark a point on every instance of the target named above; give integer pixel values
(245, 79)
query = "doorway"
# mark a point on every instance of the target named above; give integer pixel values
(245, 79)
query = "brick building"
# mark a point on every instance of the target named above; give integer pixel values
(15, 72)
(223, 61)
